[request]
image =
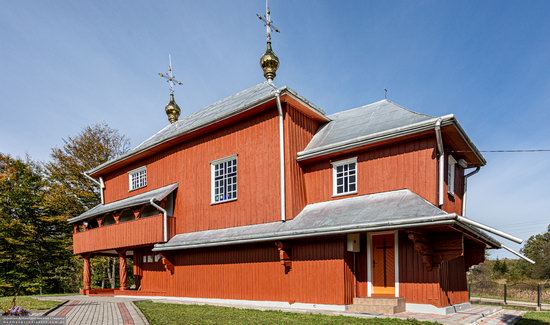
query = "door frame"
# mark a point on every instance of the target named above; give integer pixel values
(369, 259)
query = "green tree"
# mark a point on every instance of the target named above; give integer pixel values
(26, 229)
(71, 193)
(537, 248)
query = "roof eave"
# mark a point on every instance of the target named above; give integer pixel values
(445, 219)
(373, 138)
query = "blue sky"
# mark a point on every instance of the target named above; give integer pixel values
(65, 65)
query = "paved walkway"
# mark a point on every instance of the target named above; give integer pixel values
(101, 312)
(88, 310)
(477, 314)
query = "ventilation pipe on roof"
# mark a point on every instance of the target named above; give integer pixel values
(99, 183)
(441, 160)
(465, 196)
(164, 219)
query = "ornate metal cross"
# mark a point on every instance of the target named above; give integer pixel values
(267, 22)
(169, 76)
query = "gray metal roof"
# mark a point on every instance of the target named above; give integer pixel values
(363, 121)
(368, 212)
(217, 111)
(139, 199)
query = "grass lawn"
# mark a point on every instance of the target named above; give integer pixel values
(27, 302)
(170, 314)
(535, 318)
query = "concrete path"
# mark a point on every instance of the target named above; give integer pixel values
(121, 310)
(101, 312)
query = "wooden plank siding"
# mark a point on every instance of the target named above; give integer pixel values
(409, 165)
(255, 141)
(254, 272)
(144, 231)
(299, 130)
(440, 287)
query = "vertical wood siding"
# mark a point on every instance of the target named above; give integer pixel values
(254, 272)
(299, 130)
(440, 288)
(454, 203)
(406, 165)
(125, 234)
(256, 143)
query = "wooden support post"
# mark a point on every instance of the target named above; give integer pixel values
(137, 268)
(86, 274)
(123, 276)
(539, 297)
(75, 228)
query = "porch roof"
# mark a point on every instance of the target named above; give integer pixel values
(381, 211)
(158, 195)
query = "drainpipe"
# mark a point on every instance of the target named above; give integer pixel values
(490, 229)
(441, 158)
(277, 93)
(465, 196)
(164, 219)
(99, 183)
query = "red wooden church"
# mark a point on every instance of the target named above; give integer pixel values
(263, 199)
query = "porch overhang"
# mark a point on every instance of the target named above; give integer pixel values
(144, 198)
(393, 210)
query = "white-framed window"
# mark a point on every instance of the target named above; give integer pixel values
(344, 177)
(137, 178)
(224, 179)
(451, 168)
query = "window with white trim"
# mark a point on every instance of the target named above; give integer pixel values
(451, 175)
(224, 179)
(137, 178)
(344, 177)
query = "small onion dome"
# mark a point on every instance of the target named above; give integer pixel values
(172, 110)
(269, 62)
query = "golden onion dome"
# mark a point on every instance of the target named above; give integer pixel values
(269, 62)
(172, 110)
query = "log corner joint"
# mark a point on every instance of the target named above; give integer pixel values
(284, 255)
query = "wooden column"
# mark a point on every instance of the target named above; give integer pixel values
(86, 274)
(122, 269)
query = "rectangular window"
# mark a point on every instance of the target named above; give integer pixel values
(451, 175)
(344, 177)
(224, 179)
(137, 178)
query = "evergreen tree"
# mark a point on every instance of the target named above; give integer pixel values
(537, 248)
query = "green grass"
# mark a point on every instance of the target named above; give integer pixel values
(28, 303)
(535, 318)
(172, 314)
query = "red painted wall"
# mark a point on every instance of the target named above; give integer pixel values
(406, 165)
(254, 272)
(256, 143)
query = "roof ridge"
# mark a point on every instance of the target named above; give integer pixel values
(204, 108)
(377, 102)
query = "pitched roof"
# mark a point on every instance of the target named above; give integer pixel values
(132, 201)
(360, 122)
(362, 213)
(217, 111)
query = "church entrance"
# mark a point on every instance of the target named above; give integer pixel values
(383, 264)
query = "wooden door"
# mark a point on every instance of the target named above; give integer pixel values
(383, 264)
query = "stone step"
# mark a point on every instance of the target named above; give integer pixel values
(379, 301)
(375, 309)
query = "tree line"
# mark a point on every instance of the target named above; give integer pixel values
(36, 199)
